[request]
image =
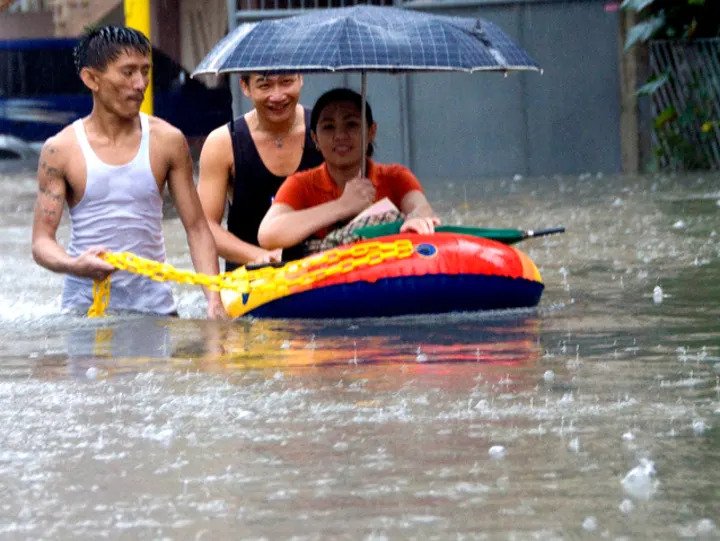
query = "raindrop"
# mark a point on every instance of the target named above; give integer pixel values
(680, 224)
(699, 426)
(574, 445)
(92, 373)
(640, 482)
(657, 295)
(482, 405)
(589, 524)
(626, 506)
(340, 446)
(706, 526)
(549, 376)
(497, 452)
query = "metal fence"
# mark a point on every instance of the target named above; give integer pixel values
(686, 107)
(260, 9)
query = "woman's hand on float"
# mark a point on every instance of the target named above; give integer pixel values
(424, 226)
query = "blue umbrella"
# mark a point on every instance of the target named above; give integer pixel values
(365, 38)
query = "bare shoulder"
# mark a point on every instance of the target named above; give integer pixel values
(57, 157)
(168, 145)
(165, 133)
(60, 147)
(218, 147)
(218, 139)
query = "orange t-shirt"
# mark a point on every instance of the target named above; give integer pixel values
(315, 186)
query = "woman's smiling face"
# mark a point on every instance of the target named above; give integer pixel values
(338, 134)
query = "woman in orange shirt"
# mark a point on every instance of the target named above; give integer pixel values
(315, 201)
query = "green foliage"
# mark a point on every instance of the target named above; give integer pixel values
(673, 19)
(683, 134)
(636, 5)
(684, 130)
(653, 84)
(643, 31)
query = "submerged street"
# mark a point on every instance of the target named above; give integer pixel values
(597, 414)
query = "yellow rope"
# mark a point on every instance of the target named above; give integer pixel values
(281, 280)
(101, 298)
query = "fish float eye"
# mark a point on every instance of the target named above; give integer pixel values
(426, 250)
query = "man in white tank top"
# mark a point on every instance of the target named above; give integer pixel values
(111, 168)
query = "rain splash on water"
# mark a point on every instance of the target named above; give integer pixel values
(595, 415)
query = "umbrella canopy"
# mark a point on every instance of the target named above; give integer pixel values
(366, 38)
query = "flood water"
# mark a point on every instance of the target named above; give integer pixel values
(595, 416)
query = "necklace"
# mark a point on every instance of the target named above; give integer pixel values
(279, 140)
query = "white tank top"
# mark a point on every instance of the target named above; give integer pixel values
(121, 210)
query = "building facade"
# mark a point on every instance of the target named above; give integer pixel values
(566, 120)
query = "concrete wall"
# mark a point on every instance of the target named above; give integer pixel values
(26, 25)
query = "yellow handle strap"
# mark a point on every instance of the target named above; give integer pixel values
(295, 274)
(101, 298)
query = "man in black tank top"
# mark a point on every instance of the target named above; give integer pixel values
(244, 163)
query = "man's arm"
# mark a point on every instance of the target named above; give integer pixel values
(283, 226)
(216, 161)
(49, 204)
(182, 190)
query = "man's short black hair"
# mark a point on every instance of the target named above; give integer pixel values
(245, 77)
(99, 47)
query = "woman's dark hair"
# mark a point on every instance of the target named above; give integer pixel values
(99, 47)
(341, 95)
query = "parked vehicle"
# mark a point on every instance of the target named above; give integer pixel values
(14, 148)
(40, 91)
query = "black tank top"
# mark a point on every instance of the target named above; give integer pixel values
(254, 186)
